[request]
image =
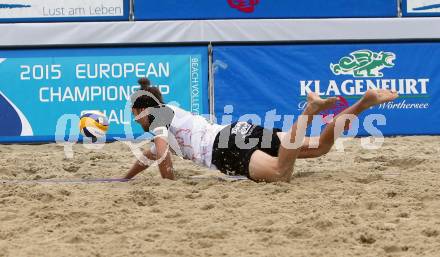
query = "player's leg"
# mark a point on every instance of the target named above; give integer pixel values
(263, 167)
(331, 132)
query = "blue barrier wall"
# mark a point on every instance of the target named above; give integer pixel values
(421, 8)
(257, 79)
(64, 10)
(230, 9)
(38, 86)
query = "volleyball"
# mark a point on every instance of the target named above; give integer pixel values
(93, 124)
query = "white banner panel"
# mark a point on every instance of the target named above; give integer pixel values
(219, 31)
(22, 9)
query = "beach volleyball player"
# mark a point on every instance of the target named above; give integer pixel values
(239, 148)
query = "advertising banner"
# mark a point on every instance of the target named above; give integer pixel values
(421, 8)
(244, 9)
(264, 80)
(39, 86)
(63, 10)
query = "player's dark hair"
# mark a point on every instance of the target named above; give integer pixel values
(151, 99)
(144, 83)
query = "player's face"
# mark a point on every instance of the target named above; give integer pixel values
(141, 117)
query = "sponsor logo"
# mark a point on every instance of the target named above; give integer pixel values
(366, 69)
(14, 6)
(364, 64)
(247, 6)
(66, 8)
(242, 128)
(427, 7)
(422, 6)
(14, 122)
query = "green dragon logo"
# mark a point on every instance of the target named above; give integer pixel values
(364, 64)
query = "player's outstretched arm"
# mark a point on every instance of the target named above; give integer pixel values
(164, 157)
(138, 166)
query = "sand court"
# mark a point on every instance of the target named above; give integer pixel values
(353, 203)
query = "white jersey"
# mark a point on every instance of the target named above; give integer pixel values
(190, 136)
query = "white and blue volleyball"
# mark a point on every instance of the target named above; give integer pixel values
(93, 124)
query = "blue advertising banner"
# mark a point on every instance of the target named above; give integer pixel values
(260, 79)
(39, 86)
(421, 8)
(64, 10)
(242, 9)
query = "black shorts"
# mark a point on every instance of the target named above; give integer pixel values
(235, 144)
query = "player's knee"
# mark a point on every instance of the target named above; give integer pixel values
(324, 148)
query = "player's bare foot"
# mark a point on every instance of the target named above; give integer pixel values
(378, 96)
(316, 104)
